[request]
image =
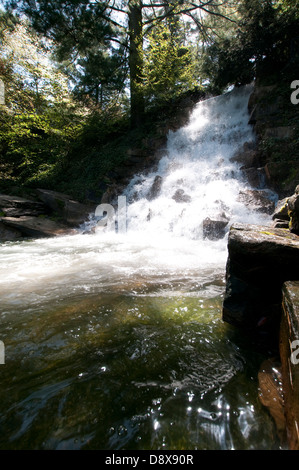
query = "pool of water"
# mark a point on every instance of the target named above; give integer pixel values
(125, 360)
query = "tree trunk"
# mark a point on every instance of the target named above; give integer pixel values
(136, 62)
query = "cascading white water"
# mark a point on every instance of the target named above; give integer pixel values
(198, 178)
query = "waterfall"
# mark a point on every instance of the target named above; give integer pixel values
(167, 209)
(196, 178)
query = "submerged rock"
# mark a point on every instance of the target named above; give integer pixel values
(271, 394)
(181, 196)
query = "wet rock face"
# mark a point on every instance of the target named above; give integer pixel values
(54, 214)
(260, 260)
(34, 227)
(9, 233)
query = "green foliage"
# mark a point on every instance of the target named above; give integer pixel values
(261, 46)
(38, 120)
(32, 144)
(100, 77)
(169, 65)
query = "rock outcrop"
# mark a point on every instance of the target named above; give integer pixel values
(53, 214)
(275, 123)
(260, 260)
(14, 206)
(36, 227)
(71, 212)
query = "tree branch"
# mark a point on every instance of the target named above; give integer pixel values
(188, 12)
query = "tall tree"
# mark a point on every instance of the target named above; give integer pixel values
(79, 26)
(169, 63)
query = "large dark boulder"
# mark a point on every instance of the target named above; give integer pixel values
(214, 228)
(71, 212)
(260, 260)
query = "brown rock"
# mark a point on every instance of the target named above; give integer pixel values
(271, 394)
(214, 229)
(156, 188)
